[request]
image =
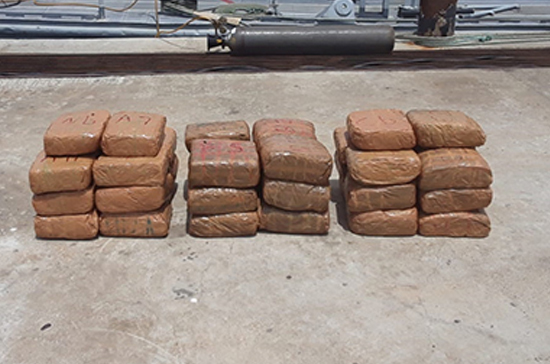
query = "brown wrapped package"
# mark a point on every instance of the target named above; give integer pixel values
(118, 200)
(453, 168)
(294, 196)
(443, 129)
(265, 128)
(60, 174)
(133, 134)
(342, 142)
(380, 130)
(295, 159)
(234, 130)
(64, 203)
(362, 199)
(76, 133)
(219, 200)
(292, 222)
(74, 227)
(384, 223)
(223, 163)
(440, 201)
(153, 224)
(474, 224)
(140, 171)
(383, 168)
(224, 225)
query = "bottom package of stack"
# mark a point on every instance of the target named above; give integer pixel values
(473, 224)
(224, 225)
(74, 227)
(293, 222)
(142, 225)
(384, 223)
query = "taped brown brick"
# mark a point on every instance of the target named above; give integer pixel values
(295, 196)
(220, 200)
(133, 134)
(383, 168)
(293, 222)
(74, 227)
(137, 171)
(453, 168)
(234, 130)
(453, 200)
(64, 203)
(223, 163)
(116, 200)
(76, 133)
(266, 128)
(295, 159)
(445, 128)
(153, 224)
(380, 129)
(362, 199)
(342, 142)
(384, 223)
(224, 225)
(60, 174)
(475, 224)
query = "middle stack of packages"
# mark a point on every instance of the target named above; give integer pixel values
(296, 168)
(378, 166)
(136, 176)
(224, 171)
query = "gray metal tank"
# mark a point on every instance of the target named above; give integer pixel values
(309, 40)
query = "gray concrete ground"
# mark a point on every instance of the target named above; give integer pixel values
(339, 298)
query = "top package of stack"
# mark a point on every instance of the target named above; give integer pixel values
(290, 151)
(76, 133)
(380, 130)
(450, 160)
(382, 152)
(445, 129)
(231, 130)
(133, 134)
(223, 163)
(112, 171)
(266, 128)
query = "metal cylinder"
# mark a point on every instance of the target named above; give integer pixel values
(312, 40)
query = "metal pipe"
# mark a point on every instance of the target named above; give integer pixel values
(309, 40)
(491, 12)
(93, 30)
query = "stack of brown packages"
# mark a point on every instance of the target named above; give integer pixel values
(224, 172)
(455, 180)
(296, 168)
(377, 171)
(61, 177)
(136, 176)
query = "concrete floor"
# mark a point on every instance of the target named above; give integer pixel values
(339, 298)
